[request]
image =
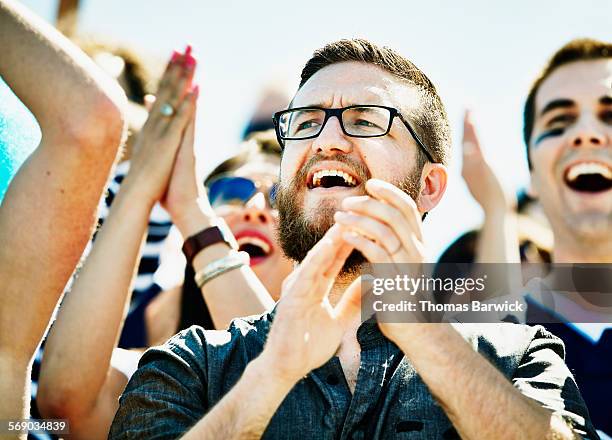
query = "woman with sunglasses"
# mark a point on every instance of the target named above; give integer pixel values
(241, 191)
(83, 373)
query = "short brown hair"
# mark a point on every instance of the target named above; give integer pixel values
(581, 49)
(259, 143)
(430, 122)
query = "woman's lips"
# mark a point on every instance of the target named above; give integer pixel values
(256, 243)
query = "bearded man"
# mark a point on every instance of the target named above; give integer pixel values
(366, 140)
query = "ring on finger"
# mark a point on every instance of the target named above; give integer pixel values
(167, 110)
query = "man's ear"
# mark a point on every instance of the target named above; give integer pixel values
(434, 178)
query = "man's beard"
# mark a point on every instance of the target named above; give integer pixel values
(297, 234)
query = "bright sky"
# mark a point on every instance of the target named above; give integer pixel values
(479, 54)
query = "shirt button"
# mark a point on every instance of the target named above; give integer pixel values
(332, 379)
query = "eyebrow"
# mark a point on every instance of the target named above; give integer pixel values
(317, 104)
(557, 103)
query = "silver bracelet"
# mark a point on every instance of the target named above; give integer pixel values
(218, 267)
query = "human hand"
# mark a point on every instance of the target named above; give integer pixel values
(386, 227)
(307, 330)
(480, 178)
(185, 199)
(156, 144)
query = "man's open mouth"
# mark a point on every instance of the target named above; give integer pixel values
(256, 244)
(589, 177)
(330, 177)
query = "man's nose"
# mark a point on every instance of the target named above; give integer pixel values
(332, 140)
(588, 134)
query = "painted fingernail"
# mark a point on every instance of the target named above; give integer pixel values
(188, 50)
(175, 56)
(189, 62)
(195, 90)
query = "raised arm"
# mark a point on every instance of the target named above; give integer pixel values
(48, 212)
(235, 293)
(76, 380)
(498, 237)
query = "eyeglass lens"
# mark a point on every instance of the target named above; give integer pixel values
(357, 121)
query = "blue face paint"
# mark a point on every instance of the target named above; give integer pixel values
(549, 133)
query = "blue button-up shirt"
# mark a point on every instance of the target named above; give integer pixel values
(176, 384)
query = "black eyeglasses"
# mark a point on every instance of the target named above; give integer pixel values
(362, 121)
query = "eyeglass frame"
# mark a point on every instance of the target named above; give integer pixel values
(337, 112)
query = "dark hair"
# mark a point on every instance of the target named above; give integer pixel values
(194, 310)
(258, 143)
(581, 49)
(430, 119)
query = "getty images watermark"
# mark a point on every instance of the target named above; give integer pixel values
(481, 293)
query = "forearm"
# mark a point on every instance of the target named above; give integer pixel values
(497, 251)
(62, 87)
(498, 238)
(477, 398)
(14, 389)
(47, 215)
(244, 412)
(80, 344)
(234, 293)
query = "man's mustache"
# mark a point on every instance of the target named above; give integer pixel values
(358, 168)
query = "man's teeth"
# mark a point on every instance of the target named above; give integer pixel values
(588, 168)
(254, 241)
(316, 178)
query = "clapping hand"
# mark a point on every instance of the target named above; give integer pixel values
(307, 329)
(156, 145)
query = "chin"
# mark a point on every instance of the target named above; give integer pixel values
(592, 227)
(320, 213)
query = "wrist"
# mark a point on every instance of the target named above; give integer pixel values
(497, 214)
(134, 196)
(193, 219)
(267, 362)
(137, 190)
(417, 337)
(499, 202)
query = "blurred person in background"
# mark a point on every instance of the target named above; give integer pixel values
(272, 97)
(48, 213)
(514, 228)
(568, 135)
(241, 190)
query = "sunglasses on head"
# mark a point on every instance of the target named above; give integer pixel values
(238, 191)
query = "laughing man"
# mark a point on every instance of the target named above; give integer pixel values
(366, 141)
